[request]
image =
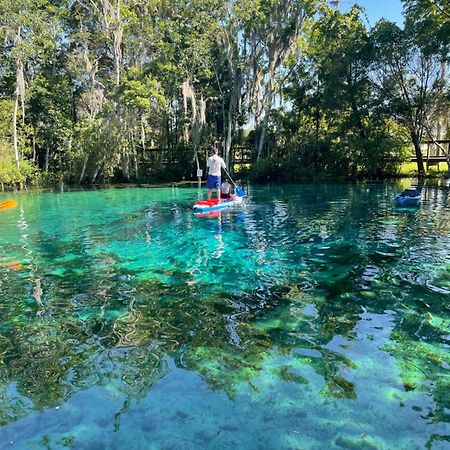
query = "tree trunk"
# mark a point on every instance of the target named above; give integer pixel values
(136, 166)
(259, 97)
(227, 149)
(418, 152)
(143, 133)
(267, 103)
(134, 153)
(177, 138)
(20, 93)
(94, 176)
(47, 157)
(199, 179)
(15, 144)
(34, 145)
(230, 116)
(165, 142)
(262, 138)
(98, 170)
(125, 166)
(83, 170)
(268, 106)
(112, 14)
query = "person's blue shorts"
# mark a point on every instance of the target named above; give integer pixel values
(213, 182)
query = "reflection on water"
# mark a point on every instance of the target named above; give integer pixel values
(314, 316)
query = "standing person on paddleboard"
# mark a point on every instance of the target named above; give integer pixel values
(214, 163)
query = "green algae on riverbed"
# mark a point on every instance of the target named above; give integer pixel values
(295, 321)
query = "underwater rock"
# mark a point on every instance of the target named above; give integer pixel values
(67, 441)
(285, 373)
(203, 437)
(339, 387)
(180, 415)
(440, 323)
(409, 385)
(351, 444)
(300, 414)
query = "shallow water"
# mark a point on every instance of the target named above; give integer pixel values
(315, 316)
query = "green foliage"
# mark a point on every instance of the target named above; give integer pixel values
(6, 113)
(141, 92)
(95, 145)
(336, 125)
(379, 154)
(409, 79)
(104, 89)
(431, 21)
(279, 169)
(10, 174)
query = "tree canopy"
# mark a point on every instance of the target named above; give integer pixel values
(130, 90)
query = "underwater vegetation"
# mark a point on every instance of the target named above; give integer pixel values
(297, 321)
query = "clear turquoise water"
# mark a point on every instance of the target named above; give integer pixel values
(315, 316)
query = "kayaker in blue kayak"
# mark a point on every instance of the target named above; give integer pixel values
(409, 197)
(214, 163)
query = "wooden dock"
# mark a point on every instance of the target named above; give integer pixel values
(434, 152)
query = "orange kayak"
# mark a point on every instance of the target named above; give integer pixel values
(7, 204)
(10, 265)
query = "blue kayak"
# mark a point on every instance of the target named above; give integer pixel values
(407, 201)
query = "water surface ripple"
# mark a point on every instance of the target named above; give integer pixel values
(314, 316)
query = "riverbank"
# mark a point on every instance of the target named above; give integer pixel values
(406, 172)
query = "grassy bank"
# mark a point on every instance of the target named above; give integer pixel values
(439, 170)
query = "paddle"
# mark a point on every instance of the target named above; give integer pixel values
(239, 191)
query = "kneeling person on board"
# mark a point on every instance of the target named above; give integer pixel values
(225, 191)
(215, 163)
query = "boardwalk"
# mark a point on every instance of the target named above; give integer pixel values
(434, 152)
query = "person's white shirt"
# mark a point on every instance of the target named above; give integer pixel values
(214, 164)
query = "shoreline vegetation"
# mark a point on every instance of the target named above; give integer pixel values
(36, 181)
(403, 181)
(289, 90)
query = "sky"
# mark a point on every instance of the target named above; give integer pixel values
(376, 9)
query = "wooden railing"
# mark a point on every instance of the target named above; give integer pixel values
(434, 152)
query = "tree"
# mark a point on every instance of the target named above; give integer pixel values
(271, 33)
(30, 31)
(235, 82)
(198, 25)
(139, 96)
(408, 79)
(431, 21)
(335, 124)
